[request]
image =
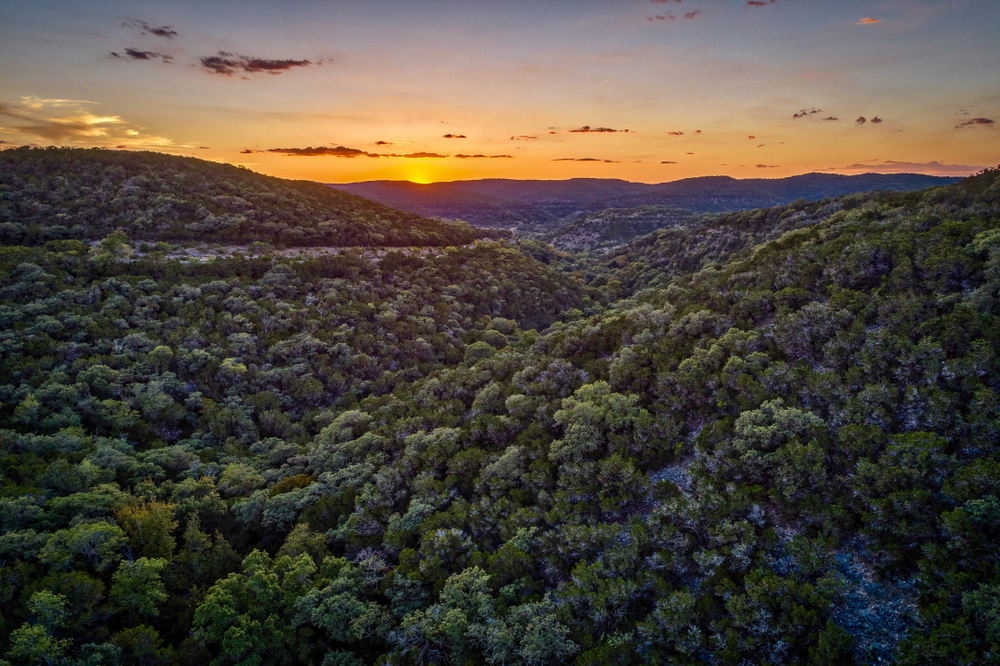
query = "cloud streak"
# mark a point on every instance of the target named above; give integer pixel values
(343, 151)
(867, 21)
(933, 167)
(136, 54)
(585, 159)
(226, 64)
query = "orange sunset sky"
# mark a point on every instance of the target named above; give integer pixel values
(429, 91)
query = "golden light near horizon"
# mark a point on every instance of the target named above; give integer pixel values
(458, 90)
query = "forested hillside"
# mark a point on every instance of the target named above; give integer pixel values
(83, 194)
(771, 438)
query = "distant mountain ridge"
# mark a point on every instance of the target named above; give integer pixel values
(539, 206)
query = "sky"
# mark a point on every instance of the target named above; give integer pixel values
(421, 90)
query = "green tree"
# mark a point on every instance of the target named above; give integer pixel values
(137, 588)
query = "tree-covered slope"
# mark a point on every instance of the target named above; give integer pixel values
(63, 193)
(784, 451)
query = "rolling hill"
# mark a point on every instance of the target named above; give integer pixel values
(82, 194)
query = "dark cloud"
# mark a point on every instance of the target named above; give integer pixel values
(876, 120)
(668, 162)
(691, 15)
(587, 129)
(454, 136)
(227, 64)
(697, 131)
(584, 159)
(806, 113)
(689, 153)
(987, 122)
(760, 3)
(861, 120)
(751, 136)
(203, 148)
(676, 133)
(136, 54)
(249, 151)
(767, 166)
(488, 157)
(523, 137)
(419, 156)
(764, 144)
(661, 17)
(161, 31)
(663, 2)
(961, 112)
(830, 118)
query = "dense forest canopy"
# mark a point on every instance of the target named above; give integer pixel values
(83, 194)
(771, 438)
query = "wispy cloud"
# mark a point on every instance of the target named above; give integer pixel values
(860, 120)
(146, 29)
(487, 157)
(694, 14)
(760, 3)
(805, 113)
(933, 168)
(666, 162)
(982, 122)
(584, 159)
(454, 136)
(876, 120)
(84, 125)
(227, 64)
(867, 21)
(32, 103)
(767, 166)
(676, 133)
(78, 125)
(830, 118)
